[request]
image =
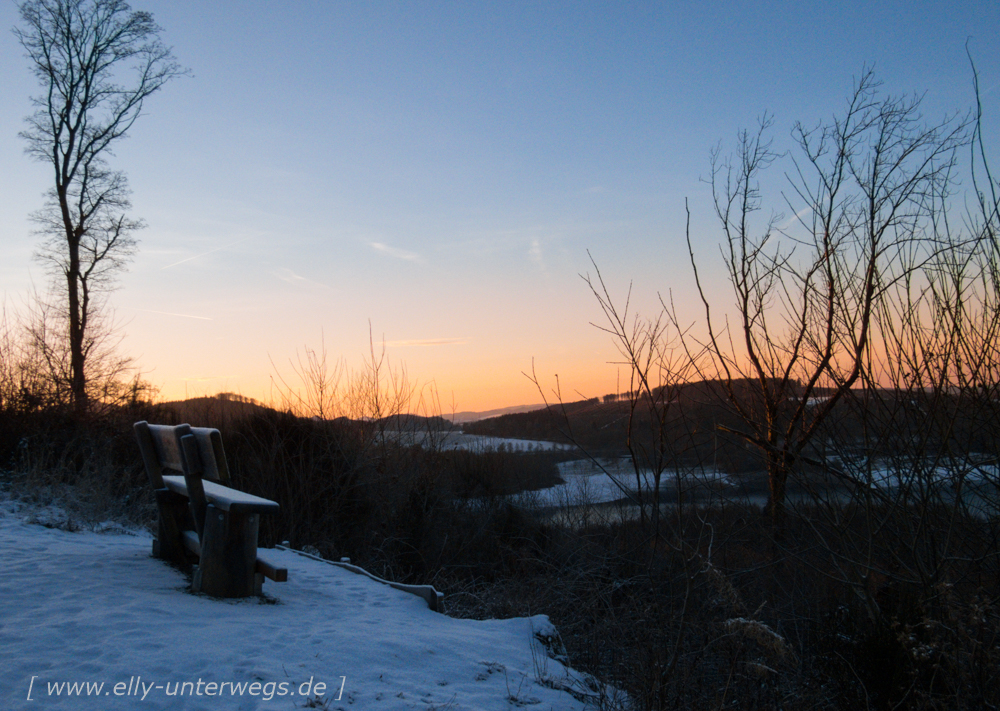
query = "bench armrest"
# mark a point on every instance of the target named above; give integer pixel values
(222, 497)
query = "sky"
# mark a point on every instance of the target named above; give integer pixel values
(435, 177)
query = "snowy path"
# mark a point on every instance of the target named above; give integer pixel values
(95, 608)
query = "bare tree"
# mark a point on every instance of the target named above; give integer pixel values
(866, 192)
(97, 61)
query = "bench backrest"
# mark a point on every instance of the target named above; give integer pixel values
(162, 452)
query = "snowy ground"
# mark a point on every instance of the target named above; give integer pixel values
(94, 608)
(476, 443)
(460, 440)
(974, 469)
(590, 483)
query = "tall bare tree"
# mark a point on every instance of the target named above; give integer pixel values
(866, 194)
(97, 61)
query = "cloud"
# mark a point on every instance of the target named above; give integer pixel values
(427, 342)
(536, 253)
(167, 313)
(796, 218)
(204, 254)
(286, 274)
(397, 253)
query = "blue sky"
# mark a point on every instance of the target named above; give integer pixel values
(440, 171)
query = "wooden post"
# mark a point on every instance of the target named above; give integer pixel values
(148, 451)
(174, 517)
(228, 554)
(192, 477)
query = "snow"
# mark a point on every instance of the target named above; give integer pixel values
(476, 443)
(480, 443)
(974, 468)
(587, 482)
(94, 607)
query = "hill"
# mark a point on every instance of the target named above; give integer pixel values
(222, 408)
(692, 415)
(460, 418)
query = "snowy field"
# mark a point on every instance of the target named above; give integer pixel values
(460, 440)
(94, 609)
(475, 443)
(590, 483)
(975, 469)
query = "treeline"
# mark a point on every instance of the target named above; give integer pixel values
(694, 421)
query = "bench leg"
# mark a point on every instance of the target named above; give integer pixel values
(174, 514)
(228, 554)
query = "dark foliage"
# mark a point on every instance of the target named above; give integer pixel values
(710, 611)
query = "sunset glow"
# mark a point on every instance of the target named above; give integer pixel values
(433, 179)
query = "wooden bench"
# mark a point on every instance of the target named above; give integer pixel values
(201, 519)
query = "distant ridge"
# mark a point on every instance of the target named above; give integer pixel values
(221, 408)
(462, 417)
(227, 406)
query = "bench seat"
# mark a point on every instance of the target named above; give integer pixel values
(222, 497)
(263, 566)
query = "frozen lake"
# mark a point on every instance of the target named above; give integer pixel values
(475, 443)
(600, 482)
(606, 480)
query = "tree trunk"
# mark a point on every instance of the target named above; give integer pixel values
(77, 326)
(777, 479)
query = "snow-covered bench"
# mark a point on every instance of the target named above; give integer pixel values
(200, 517)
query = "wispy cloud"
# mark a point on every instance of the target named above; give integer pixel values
(204, 254)
(395, 252)
(168, 313)
(537, 236)
(795, 219)
(535, 253)
(286, 274)
(427, 342)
